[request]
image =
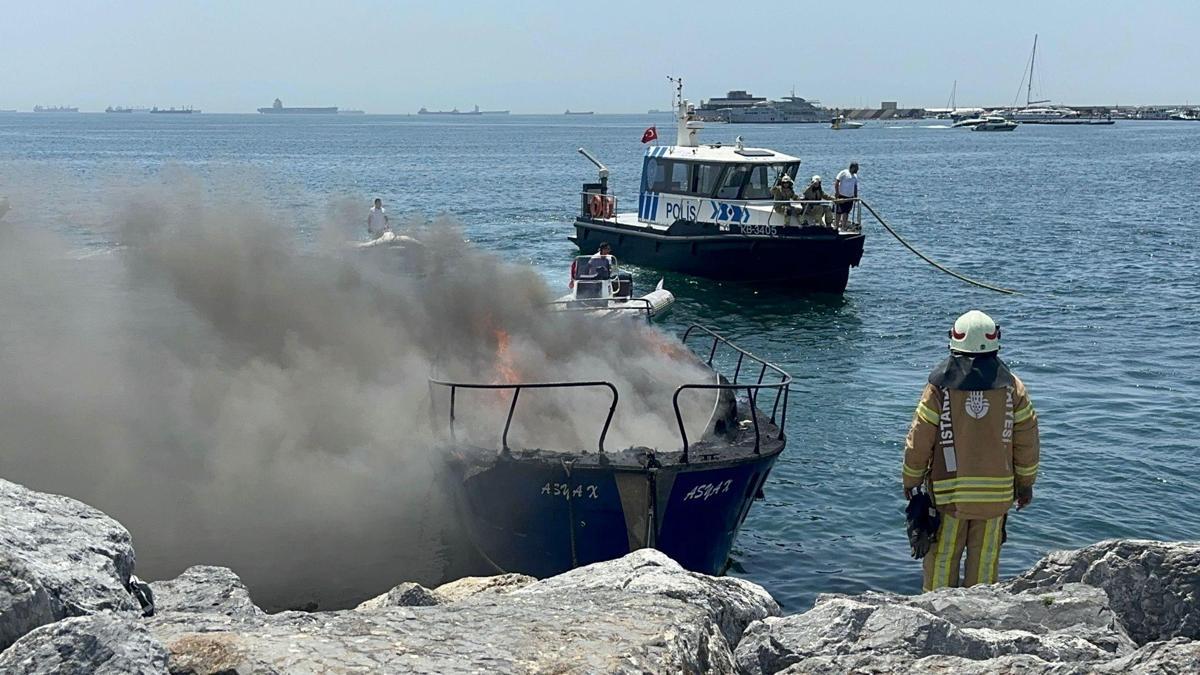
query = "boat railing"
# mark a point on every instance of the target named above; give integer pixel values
(767, 372)
(598, 205)
(853, 224)
(517, 388)
(628, 305)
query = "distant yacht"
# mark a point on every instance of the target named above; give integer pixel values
(740, 107)
(1035, 112)
(579, 112)
(55, 109)
(278, 109)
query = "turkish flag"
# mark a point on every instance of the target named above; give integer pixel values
(650, 135)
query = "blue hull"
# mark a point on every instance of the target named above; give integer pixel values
(535, 516)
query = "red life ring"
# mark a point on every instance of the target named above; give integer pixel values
(596, 206)
(610, 204)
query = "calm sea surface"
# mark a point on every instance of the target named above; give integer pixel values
(1096, 227)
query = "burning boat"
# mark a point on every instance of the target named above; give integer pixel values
(543, 510)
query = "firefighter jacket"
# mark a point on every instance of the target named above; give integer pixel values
(974, 437)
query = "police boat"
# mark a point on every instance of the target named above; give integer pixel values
(600, 288)
(542, 511)
(708, 210)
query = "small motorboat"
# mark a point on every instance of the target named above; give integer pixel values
(840, 122)
(995, 123)
(967, 122)
(600, 288)
(543, 510)
(389, 238)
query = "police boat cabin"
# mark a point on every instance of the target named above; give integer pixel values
(725, 212)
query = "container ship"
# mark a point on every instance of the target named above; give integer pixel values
(277, 108)
(55, 109)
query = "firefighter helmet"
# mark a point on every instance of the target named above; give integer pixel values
(975, 333)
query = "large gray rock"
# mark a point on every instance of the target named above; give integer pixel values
(58, 558)
(471, 586)
(730, 603)
(598, 631)
(1153, 586)
(204, 589)
(884, 633)
(1179, 656)
(407, 594)
(101, 644)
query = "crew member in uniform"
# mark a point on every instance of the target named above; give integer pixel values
(784, 195)
(974, 444)
(815, 213)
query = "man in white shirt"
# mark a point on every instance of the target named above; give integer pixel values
(845, 188)
(377, 220)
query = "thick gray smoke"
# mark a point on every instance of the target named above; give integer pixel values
(236, 394)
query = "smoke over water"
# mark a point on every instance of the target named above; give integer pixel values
(238, 395)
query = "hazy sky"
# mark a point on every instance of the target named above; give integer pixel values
(613, 56)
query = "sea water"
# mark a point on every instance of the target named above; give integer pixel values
(1096, 227)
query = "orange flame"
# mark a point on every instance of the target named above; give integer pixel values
(504, 367)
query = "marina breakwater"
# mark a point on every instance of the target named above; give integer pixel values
(70, 603)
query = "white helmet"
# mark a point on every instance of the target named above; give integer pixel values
(975, 333)
(816, 179)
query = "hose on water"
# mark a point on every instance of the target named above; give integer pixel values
(931, 261)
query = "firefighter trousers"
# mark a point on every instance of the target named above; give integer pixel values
(981, 539)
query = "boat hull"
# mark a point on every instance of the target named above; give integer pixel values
(546, 517)
(819, 262)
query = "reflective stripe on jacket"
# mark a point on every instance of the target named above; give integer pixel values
(974, 446)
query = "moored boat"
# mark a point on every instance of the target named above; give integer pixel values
(708, 210)
(543, 511)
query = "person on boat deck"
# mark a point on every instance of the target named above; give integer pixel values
(784, 195)
(600, 264)
(815, 213)
(845, 186)
(377, 220)
(974, 444)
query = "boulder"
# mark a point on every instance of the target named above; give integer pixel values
(885, 633)
(730, 603)
(570, 632)
(1153, 586)
(1179, 656)
(58, 558)
(407, 594)
(205, 589)
(101, 644)
(471, 586)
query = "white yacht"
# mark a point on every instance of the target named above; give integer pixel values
(994, 123)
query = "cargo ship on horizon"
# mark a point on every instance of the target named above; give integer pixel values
(55, 109)
(278, 109)
(456, 111)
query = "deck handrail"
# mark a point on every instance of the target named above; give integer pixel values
(782, 387)
(778, 408)
(648, 308)
(855, 220)
(512, 407)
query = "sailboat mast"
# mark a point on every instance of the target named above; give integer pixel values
(1032, 61)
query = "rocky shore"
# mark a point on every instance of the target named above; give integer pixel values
(69, 603)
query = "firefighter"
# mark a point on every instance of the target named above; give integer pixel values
(784, 194)
(974, 446)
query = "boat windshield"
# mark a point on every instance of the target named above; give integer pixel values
(590, 267)
(722, 180)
